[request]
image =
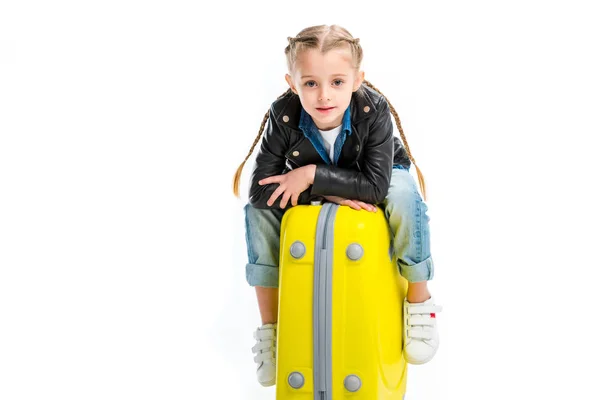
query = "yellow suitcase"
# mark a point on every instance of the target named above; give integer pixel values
(340, 317)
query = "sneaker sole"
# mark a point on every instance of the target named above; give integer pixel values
(422, 361)
(268, 383)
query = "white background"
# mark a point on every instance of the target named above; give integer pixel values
(122, 248)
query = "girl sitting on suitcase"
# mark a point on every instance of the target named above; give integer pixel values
(354, 160)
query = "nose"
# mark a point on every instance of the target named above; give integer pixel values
(324, 94)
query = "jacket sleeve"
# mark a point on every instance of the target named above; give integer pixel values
(271, 161)
(371, 184)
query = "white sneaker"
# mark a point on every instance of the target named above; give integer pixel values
(421, 338)
(265, 349)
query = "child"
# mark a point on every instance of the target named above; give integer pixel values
(329, 137)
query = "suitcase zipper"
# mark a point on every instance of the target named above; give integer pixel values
(322, 302)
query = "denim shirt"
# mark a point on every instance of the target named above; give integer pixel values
(311, 132)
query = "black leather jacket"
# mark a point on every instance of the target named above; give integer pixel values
(365, 163)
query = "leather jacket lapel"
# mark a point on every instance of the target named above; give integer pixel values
(303, 153)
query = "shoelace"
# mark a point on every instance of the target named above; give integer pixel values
(420, 316)
(265, 345)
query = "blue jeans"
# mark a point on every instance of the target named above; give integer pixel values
(404, 209)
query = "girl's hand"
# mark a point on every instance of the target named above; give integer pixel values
(355, 204)
(291, 184)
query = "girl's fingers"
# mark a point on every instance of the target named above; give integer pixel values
(280, 189)
(295, 199)
(285, 198)
(366, 206)
(270, 179)
(352, 204)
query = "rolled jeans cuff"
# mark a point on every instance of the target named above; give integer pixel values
(262, 275)
(419, 272)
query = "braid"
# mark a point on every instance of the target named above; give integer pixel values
(395, 114)
(238, 173)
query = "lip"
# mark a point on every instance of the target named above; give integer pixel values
(325, 110)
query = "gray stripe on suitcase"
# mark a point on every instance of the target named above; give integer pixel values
(322, 297)
(329, 297)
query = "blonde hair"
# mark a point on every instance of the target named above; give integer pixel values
(325, 38)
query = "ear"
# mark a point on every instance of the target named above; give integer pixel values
(288, 79)
(360, 77)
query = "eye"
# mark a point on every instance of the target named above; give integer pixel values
(340, 81)
(307, 83)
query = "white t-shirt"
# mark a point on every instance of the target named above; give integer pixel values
(329, 139)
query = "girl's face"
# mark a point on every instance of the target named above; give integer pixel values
(324, 83)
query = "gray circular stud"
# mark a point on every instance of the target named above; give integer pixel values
(297, 249)
(296, 380)
(354, 251)
(352, 383)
